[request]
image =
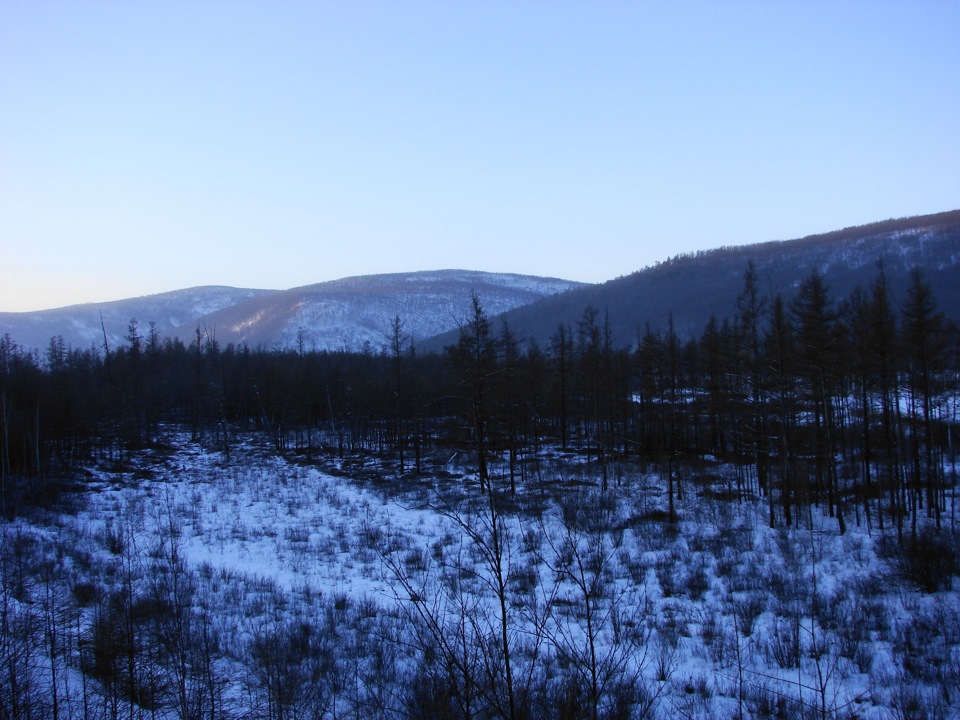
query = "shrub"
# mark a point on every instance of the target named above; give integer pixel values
(930, 561)
(667, 577)
(913, 702)
(85, 593)
(698, 579)
(711, 634)
(747, 609)
(113, 539)
(783, 644)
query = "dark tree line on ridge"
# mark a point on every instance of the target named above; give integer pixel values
(850, 405)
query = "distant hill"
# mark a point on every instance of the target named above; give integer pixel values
(175, 313)
(349, 314)
(355, 312)
(695, 286)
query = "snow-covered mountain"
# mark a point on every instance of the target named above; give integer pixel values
(351, 313)
(175, 314)
(356, 312)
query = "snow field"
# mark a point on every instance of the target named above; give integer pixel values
(717, 616)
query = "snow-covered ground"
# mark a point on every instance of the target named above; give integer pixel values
(604, 601)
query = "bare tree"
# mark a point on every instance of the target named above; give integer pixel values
(475, 354)
(488, 639)
(20, 633)
(603, 640)
(398, 340)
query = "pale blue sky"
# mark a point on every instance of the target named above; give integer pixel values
(152, 146)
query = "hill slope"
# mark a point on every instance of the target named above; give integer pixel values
(693, 287)
(175, 313)
(356, 312)
(341, 314)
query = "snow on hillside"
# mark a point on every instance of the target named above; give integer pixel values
(175, 313)
(534, 285)
(355, 313)
(348, 314)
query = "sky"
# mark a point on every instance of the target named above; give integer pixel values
(153, 146)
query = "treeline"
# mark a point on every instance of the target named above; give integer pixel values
(849, 404)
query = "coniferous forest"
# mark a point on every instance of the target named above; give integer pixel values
(758, 521)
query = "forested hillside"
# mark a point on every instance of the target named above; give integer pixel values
(757, 521)
(690, 288)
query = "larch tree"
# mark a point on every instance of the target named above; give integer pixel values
(925, 336)
(819, 356)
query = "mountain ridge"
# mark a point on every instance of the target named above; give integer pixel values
(351, 313)
(688, 288)
(354, 313)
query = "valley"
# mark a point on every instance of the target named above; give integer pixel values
(756, 521)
